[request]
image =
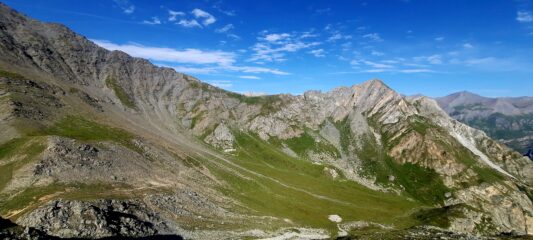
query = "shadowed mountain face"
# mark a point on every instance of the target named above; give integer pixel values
(510, 120)
(99, 144)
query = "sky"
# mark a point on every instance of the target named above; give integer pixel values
(424, 47)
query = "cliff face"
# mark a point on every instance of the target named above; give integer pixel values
(178, 156)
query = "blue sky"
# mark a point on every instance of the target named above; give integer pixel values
(415, 46)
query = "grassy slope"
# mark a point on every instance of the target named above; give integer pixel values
(119, 92)
(25, 149)
(300, 191)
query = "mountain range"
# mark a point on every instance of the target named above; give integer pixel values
(509, 120)
(96, 143)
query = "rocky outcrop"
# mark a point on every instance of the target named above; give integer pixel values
(95, 219)
(221, 138)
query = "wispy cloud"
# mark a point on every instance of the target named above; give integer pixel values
(173, 15)
(439, 39)
(318, 52)
(153, 21)
(374, 37)
(468, 46)
(207, 19)
(524, 16)
(189, 23)
(126, 6)
(221, 83)
(273, 47)
(225, 29)
(249, 77)
(193, 70)
(207, 62)
(338, 36)
(417, 70)
(251, 69)
(377, 65)
(190, 55)
(275, 37)
(432, 59)
(377, 53)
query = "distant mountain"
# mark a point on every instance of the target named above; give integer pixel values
(96, 143)
(509, 120)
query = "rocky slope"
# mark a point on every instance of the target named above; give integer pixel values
(98, 144)
(510, 120)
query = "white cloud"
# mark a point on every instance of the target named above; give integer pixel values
(308, 35)
(374, 37)
(207, 19)
(194, 70)
(249, 69)
(189, 23)
(249, 77)
(375, 70)
(317, 52)
(377, 65)
(266, 52)
(210, 61)
(215, 69)
(195, 56)
(524, 16)
(154, 21)
(274, 37)
(433, 59)
(129, 10)
(468, 45)
(338, 36)
(126, 6)
(377, 53)
(274, 47)
(221, 83)
(418, 70)
(335, 37)
(172, 15)
(439, 39)
(225, 29)
(231, 35)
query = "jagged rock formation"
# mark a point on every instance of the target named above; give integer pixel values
(509, 120)
(101, 144)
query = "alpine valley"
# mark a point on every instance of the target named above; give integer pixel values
(98, 144)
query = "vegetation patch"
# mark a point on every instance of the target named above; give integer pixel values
(271, 183)
(80, 128)
(301, 144)
(11, 75)
(422, 184)
(24, 149)
(440, 217)
(121, 94)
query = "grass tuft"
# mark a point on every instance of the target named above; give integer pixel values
(121, 94)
